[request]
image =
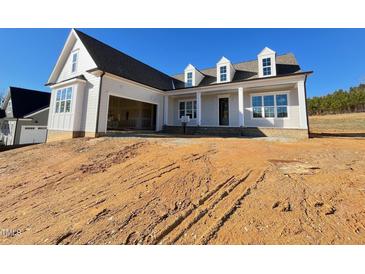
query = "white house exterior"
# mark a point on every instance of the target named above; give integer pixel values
(96, 88)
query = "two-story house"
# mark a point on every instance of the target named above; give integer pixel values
(96, 88)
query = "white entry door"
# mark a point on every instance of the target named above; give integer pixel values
(33, 134)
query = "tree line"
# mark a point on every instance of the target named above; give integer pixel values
(340, 101)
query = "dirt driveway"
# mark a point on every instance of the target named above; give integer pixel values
(184, 191)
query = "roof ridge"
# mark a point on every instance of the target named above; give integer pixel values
(119, 51)
(27, 89)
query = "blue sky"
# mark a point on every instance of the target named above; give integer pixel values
(27, 56)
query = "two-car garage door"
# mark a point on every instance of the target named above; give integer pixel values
(33, 134)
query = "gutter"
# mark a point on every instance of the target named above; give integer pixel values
(99, 99)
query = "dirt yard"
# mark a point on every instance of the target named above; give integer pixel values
(184, 191)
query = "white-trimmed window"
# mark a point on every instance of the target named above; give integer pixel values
(63, 100)
(189, 79)
(282, 105)
(187, 108)
(75, 57)
(270, 106)
(223, 73)
(266, 66)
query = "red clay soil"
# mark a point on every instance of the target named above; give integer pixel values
(184, 191)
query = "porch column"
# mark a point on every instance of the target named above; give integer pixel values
(166, 110)
(302, 105)
(241, 116)
(198, 108)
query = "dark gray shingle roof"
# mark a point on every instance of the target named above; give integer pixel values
(285, 64)
(118, 63)
(25, 101)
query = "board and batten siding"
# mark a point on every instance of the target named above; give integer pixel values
(128, 90)
(84, 63)
(84, 97)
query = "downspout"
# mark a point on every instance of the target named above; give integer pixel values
(16, 127)
(99, 99)
(306, 109)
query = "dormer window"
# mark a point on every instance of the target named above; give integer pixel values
(223, 73)
(189, 79)
(266, 66)
(225, 70)
(266, 62)
(75, 57)
(192, 76)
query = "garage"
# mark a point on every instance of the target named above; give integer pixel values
(127, 114)
(33, 134)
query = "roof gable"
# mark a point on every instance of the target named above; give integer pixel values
(118, 63)
(267, 51)
(190, 67)
(59, 68)
(223, 60)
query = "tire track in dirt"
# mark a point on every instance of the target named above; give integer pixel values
(158, 238)
(184, 162)
(207, 209)
(210, 234)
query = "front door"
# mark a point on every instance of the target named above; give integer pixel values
(223, 112)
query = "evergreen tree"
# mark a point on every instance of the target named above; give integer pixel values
(339, 101)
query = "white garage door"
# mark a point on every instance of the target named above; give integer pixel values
(33, 134)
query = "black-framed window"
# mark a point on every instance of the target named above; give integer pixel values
(187, 108)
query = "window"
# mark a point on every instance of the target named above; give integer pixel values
(63, 100)
(266, 66)
(282, 105)
(270, 106)
(75, 56)
(189, 79)
(223, 73)
(187, 108)
(257, 106)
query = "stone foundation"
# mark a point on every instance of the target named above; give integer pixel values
(58, 135)
(239, 132)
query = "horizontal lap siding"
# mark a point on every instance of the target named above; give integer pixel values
(291, 122)
(91, 97)
(209, 109)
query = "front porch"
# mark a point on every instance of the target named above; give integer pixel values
(268, 107)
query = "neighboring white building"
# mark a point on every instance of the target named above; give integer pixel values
(96, 88)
